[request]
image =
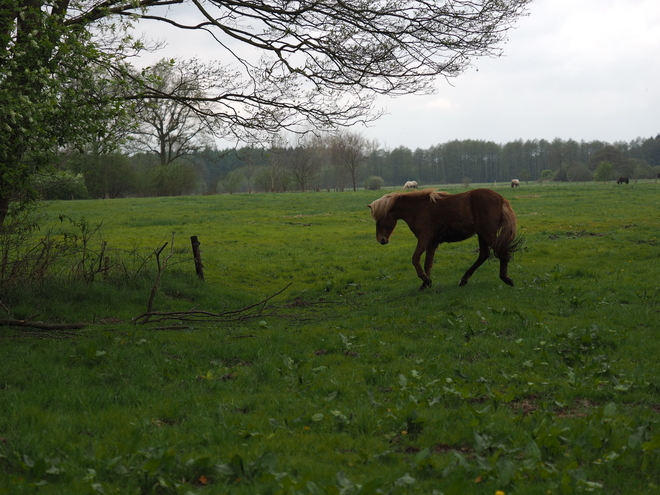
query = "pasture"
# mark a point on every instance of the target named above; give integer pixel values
(350, 380)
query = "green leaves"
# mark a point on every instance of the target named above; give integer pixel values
(237, 470)
(56, 90)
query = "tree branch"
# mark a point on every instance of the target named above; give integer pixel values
(9, 322)
(248, 312)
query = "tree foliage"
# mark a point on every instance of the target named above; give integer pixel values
(274, 169)
(54, 90)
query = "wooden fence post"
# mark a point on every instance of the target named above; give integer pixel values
(197, 255)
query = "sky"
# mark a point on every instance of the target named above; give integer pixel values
(571, 69)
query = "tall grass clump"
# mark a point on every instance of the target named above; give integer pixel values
(65, 269)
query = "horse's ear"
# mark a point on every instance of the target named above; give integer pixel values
(369, 206)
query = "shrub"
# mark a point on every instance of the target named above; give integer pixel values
(546, 175)
(60, 184)
(374, 183)
(232, 182)
(603, 172)
(579, 172)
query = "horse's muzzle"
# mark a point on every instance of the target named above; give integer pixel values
(383, 240)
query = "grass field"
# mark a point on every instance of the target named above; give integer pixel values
(350, 380)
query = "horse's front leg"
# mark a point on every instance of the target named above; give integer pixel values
(422, 246)
(428, 263)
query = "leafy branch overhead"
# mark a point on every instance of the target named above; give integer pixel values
(344, 49)
(322, 63)
(66, 77)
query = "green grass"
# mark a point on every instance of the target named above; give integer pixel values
(352, 381)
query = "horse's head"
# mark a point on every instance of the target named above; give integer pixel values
(385, 222)
(384, 228)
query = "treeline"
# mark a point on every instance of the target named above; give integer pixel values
(346, 162)
(487, 162)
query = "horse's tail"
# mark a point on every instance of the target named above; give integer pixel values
(507, 243)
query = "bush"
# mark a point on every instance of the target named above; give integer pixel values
(603, 172)
(579, 173)
(546, 175)
(374, 183)
(232, 182)
(60, 184)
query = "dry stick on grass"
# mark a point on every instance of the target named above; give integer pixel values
(203, 316)
(161, 267)
(11, 322)
(252, 311)
(40, 324)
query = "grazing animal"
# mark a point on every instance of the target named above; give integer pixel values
(411, 184)
(436, 217)
(515, 183)
(622, 180)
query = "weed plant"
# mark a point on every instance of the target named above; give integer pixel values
(355, 382)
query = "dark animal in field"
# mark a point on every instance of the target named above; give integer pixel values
(436, 217)
(515, 183)
(622, 180)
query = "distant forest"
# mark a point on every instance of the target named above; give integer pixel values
(345, 163)
(487, 162)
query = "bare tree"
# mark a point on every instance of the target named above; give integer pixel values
(170, 128)
(305, 161)
(248, 155)
(323, 63)
(348, 153)
(272, 175)
(232, 182)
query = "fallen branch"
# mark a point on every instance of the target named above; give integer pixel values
(9, 322)
(252, 311)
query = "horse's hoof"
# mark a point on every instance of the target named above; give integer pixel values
(463, 282)
(426, 284)
(508, 281)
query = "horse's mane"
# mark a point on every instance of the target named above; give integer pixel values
(381, 206)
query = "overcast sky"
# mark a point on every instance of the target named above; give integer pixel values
(572, 69)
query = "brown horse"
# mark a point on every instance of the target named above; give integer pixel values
(436, 217)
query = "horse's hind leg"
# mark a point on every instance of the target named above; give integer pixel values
(503, 271)
(504, 256)
(484, 252)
